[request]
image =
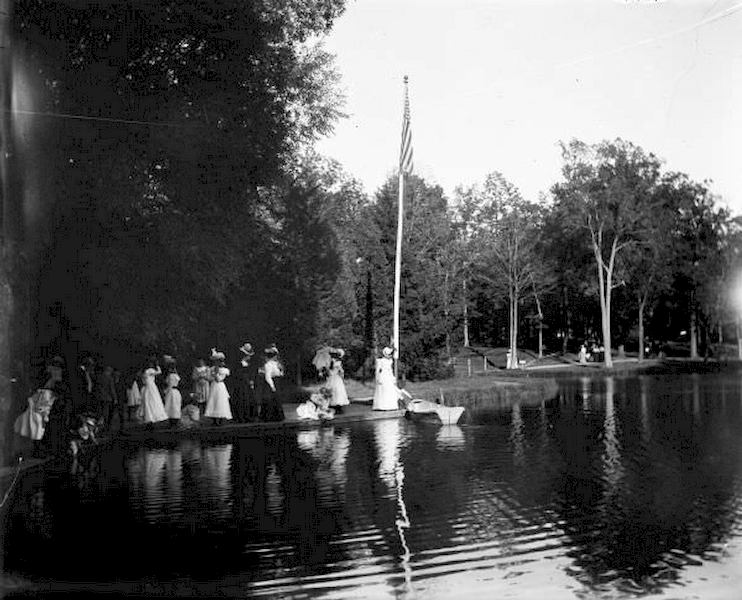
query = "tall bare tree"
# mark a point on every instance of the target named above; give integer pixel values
(608, 192)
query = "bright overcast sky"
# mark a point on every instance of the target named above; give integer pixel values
(494, 86)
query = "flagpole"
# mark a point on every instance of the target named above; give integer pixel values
(398, 251)
(398, 272)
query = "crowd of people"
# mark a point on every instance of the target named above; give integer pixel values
(67, 412)
(70, 408)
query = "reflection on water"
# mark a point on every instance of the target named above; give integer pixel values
(620, 487)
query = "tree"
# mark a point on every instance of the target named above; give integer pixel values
(510, 260)
(425, 267)
(202, 107)
(699, 226)
(608, 191)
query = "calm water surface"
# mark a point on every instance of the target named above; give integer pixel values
(619, 488)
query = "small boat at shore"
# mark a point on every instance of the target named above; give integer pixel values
(449, 415)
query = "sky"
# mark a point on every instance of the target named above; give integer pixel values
(495, 85)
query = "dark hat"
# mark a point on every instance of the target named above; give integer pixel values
(56, 361)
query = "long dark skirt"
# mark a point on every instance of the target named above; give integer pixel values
(271, 408)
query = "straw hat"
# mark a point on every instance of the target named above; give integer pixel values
(246, 348)
(338, 352)
(272, 349)
(217, 355)
(387, 352)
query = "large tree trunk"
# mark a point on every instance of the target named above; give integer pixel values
(641, 329)
(513, 361)
(605, 280)
(567, 321)
(693, 333)
(466, 317)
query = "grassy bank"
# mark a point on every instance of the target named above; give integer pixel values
(472, 392)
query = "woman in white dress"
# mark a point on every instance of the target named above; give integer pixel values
(217, 407)
(173, 398)
(386, 394)
(151, 410)
(335, 380)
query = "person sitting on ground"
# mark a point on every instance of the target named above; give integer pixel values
(191, 414)
(317, 407)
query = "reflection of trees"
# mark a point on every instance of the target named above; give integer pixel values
(657, 475)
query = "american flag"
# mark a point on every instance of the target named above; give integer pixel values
(405, 153)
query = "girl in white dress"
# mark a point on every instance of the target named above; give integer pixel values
(335, 380)
(217, 406)
(173, 398)
(151, 410)
(386, 393)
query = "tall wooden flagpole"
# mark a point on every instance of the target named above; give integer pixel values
(405, 166)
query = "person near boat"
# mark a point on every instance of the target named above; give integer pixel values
(266, 390)
(335, 382)
(217, 406)
(386, 393)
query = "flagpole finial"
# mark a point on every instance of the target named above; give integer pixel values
(405, 78)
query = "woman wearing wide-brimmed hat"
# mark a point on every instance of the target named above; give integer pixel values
(266, 391)
(386, 394)
(335, 381)
(217, 407)
(243, 398)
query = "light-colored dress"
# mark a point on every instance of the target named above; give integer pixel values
(217, 406)
(336, 384)
(173, 399)
(32, 422)
(201, 377)
(151, 410)
(385, 393)
(133, 395)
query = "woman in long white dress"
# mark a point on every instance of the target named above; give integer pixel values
(335, 381)
(151, 410)
(217, 407)
(386, 394)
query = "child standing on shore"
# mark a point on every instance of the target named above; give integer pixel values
(173, 398)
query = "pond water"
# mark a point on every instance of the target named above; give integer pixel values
(620, 487)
